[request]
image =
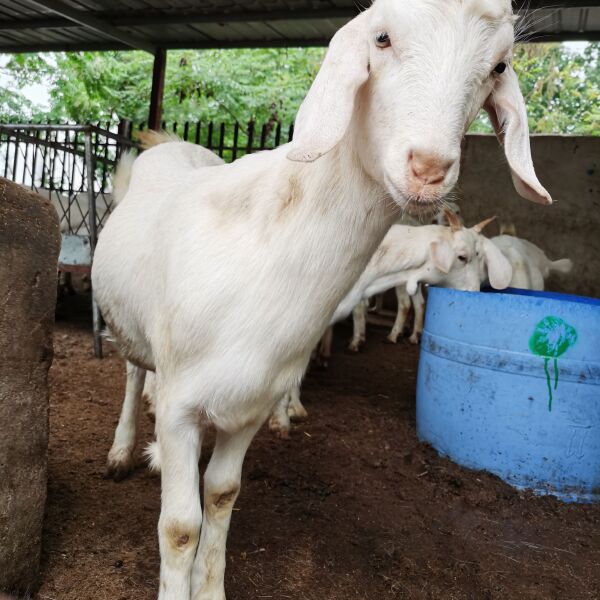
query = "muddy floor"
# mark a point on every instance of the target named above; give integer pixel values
(351, 507)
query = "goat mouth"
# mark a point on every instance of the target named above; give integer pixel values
(424, 200)
(421, 208)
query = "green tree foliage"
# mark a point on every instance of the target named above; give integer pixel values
(233, 85)
(561, 87)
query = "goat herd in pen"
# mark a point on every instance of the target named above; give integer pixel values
(222, 278)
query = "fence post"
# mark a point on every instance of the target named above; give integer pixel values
(125, 127)
(234, 149)
(250, 137)
(89, 169)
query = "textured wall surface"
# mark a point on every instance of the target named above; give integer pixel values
(569, 168)
(29, 246)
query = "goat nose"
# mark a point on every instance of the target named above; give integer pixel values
(429, 168)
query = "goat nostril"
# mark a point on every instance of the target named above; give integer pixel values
(428, 168)
(415, 173)
(437, 178)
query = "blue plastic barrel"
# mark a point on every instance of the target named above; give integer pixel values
(510, 382)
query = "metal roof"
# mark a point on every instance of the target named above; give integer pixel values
(46, 25)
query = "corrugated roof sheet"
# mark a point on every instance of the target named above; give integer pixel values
(43, 25)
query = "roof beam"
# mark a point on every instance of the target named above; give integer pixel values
(173, 45)
(86, 19)
(49, 23)
(590, 36)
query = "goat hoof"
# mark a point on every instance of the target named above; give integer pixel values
(391, 339)
(119, 465)
(298, 413)
(283, 434)
(201, 595)
(414, 338)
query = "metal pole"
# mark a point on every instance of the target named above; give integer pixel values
(89, 167)
(158, 89)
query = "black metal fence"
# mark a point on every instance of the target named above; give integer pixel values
(72, 166)
(59, 162)
(229, 140)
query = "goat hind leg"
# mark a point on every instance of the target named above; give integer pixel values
(401, 314)
(359, 326)
(279, 421)
(418, 302)
(296, 409)
(120, 458)
(324, 348)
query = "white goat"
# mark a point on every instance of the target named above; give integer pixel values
(212, 276)
(407, 257)
(423, 250)
(404, 300)
(530, 265)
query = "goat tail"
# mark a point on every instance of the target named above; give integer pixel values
(564, 265)
(122, 176)
(152, 455)
(151, 138)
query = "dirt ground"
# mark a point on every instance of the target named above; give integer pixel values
(351, 507)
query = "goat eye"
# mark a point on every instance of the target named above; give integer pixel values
(462, 258)
(382, 40)
(500, 68)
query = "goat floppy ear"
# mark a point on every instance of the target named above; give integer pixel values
(327, 109)
(506, 108)
(442, 255)
(498, 267)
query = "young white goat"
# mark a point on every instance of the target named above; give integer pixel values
(445, 256)
(212, 276)
(530, 265)
(404, 300)
(407, 257)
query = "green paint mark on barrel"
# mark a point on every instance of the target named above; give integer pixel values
(551, 338)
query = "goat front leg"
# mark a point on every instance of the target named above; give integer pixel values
(221, 488)
(378, 306)
(359, 322)
(120, 458)
(179, 442)
(418, 302)
(401, 313)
